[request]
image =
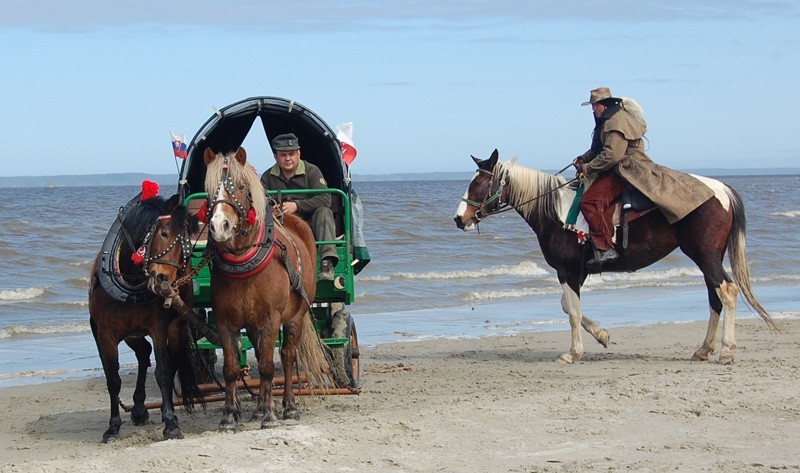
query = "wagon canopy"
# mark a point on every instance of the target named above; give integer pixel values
(226, 130)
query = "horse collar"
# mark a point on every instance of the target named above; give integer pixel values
(257, 257)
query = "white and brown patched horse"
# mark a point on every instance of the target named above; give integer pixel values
(543, 200)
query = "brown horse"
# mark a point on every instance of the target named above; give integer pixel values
(703, 235)
(160, 228)
(252, 290)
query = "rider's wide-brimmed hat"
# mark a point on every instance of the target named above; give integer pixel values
(285, 142)
(598, 95)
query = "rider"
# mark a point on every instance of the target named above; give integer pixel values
(617, 156)
(291, 172)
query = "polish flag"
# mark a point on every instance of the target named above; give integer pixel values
(344, 133)
(179, 147)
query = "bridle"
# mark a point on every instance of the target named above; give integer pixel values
(227, 183)
(181, 239)
(491, 197)
(497, 194)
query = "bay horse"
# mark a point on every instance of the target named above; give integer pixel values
(261, 296)
(542, 200)
(160, 228)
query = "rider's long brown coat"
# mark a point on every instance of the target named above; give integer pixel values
(675, 193)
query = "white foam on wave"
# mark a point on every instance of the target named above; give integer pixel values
(17, 295)
(524, 269)
(663, 277)
(513, 293)
(22, 331)
(790, 214)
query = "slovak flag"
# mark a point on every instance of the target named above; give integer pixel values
(344, 133)
(179, 147)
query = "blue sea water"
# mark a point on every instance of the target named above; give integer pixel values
(427, 279)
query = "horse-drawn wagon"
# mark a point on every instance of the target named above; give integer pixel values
(224, 132)
(158, 254)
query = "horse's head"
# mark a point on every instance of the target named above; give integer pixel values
(236, 196)
(167, 246)
(483, 196)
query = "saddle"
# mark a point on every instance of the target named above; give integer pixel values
(630, 205)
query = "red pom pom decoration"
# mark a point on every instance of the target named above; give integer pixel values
(202, 214)
(149, 189)
(251, 216)
(138, 256)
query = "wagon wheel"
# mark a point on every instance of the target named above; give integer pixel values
(346, 367)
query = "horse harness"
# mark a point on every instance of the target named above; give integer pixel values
(261, 252)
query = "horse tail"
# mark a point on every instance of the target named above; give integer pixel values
(737, 254)
(314, 363)
(187, 362)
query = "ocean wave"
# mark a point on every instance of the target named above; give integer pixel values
(643, 276)
(790, 214)
(513, 293)
(26, 294)
(21, 331)
(526, 268)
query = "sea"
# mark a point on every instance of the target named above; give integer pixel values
(426, 280)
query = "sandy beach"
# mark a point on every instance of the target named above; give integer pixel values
(490, 404)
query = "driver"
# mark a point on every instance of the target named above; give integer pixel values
(291, 172)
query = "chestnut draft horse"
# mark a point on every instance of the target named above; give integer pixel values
(160, 229)
(259, 296)
(542, 200)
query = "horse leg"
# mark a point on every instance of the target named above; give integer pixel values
(229, 340)
(571, 304)
(266, 371)
(728, 292)
(292, 331)
(142, 349)
(109, 357)
(600, 334)
(165, 376)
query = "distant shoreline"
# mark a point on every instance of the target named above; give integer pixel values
(134, 179)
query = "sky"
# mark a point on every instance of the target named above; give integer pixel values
(95, 86)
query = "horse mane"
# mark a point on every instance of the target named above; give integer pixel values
(139, 219)
(239, 173)
(533, 189)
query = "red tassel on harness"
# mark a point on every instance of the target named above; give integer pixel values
(251, 216)
(138, 256)
(202, 214)
(149, 189)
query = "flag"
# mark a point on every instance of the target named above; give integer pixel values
(344, 133)
(179, 147)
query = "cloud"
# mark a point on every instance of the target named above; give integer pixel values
(321, 15)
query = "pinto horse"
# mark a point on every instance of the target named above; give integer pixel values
(160, 228)
(703, 235)
(275, 291)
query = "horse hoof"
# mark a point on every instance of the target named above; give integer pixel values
(293, 414)
(108, 436)
(726, 357)
(269, 423)
(603, 338)
(227, 426)
(700, 355)
(172, 434)
(140, 417)
(565, 358)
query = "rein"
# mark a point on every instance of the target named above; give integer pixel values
(504, 206)
(508, 207)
